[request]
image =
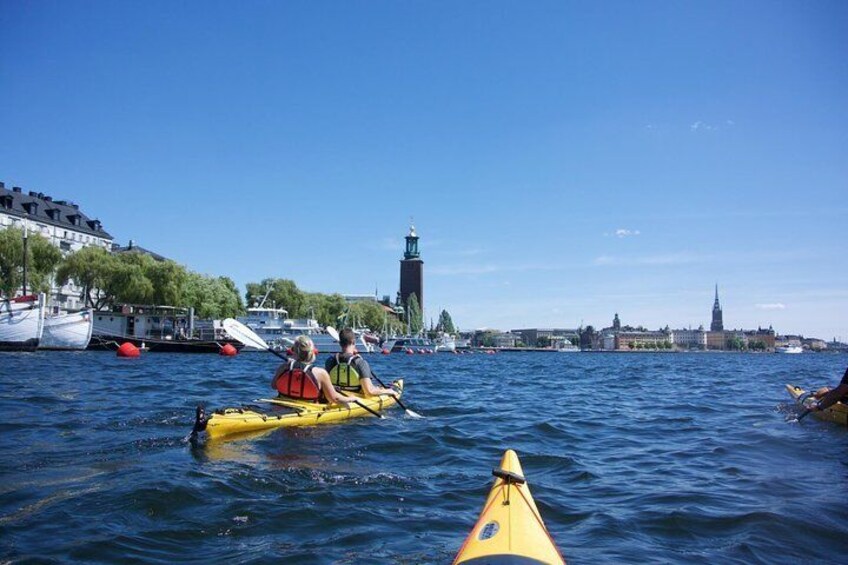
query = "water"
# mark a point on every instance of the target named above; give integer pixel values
(649, 458)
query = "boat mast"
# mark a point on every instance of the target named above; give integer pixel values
(26, 237)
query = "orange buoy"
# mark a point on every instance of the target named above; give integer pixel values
(410, 351)
(385, 352)
(228, 350)
(128, 350)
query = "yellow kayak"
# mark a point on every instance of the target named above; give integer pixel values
(837, 413)
(510, 530)
(281, 413)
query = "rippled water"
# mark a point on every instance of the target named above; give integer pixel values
(631, 457)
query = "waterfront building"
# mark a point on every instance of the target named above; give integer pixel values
(62, 223)
(690, 339)
(643, 339)
(717, 323)
(411, 271)
(546, 337)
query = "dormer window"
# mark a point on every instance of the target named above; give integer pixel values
(6, 201)
(31, 208)
(74, 219)
(53, 213)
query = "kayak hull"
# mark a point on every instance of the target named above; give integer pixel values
(838, 413)
(283, 413)
(510, 530)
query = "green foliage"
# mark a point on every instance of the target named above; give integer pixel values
(211, 297)
(543, 341)
(735, 344)
(136, 278)
(90, 268)
(283, 294)
(414, 316)
(757, 345)
(445, 323)
(42, 258)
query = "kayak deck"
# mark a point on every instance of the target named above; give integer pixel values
(510, 530)
(284, 412)
(837, 413)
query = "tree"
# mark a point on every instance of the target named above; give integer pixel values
(414, 316)
(281, 292)
(42, 258)
(90, 267)
(211, 297)
(445, 323)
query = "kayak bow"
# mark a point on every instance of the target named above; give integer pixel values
(510, 530)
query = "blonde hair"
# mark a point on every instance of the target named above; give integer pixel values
(304, 349)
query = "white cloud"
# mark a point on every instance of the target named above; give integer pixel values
(621, 232)
(772, 306)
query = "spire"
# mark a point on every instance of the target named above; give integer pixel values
(717, 323)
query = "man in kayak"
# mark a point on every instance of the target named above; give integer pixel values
(827, 397)
(300, 379)
(349, 371)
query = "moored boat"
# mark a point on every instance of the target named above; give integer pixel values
(21, 323)
(791, 349)
(67, 330)
(401, 344)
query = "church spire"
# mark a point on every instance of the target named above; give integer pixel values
(717, 324)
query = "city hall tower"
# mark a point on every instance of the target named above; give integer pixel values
(412, 271)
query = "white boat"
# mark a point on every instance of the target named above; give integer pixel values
(21, 323)
(67, 330)
(401, 344)
(795, 349)
(445, 343)
(568, 348)
(278, 330)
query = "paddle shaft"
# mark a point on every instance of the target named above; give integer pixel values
(396, 397)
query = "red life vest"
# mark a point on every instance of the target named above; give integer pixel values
(297, 382)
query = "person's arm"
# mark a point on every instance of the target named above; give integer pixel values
(330, 392)
(366, 379)
(831, 397)
(370, 390)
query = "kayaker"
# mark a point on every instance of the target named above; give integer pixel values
(300, 379)
(827, 397)
(349, 371)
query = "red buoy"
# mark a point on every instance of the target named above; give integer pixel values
(385, 352)
(228, 350)
(410, 351)
(129, 350)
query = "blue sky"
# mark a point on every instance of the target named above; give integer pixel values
(562, 161)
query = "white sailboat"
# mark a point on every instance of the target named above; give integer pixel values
(67, 330)
(21, 323)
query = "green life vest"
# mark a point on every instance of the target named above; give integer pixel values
(344, 375)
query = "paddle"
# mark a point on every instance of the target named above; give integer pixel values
(248, 337)
(412, 414)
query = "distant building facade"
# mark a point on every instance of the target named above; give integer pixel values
(59, 221)
(690, 339)
(547, 337)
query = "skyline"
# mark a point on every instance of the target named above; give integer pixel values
(561, 162)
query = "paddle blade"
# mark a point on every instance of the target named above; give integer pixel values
(333, 333)
(413, 414)
(244, 334)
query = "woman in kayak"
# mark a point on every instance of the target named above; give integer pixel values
(299, 379)
(827, 397)
(349, 371)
